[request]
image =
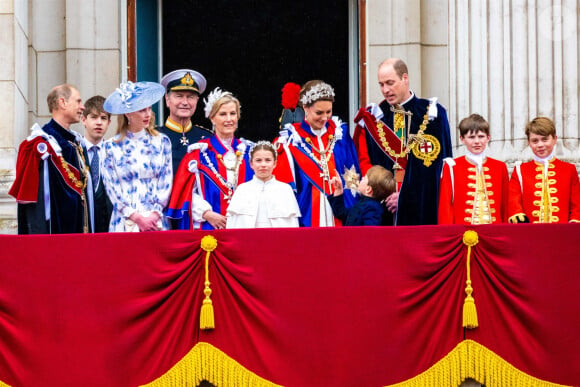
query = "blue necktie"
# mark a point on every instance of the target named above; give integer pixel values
(95, 167)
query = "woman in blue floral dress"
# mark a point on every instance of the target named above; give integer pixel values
(137, 170)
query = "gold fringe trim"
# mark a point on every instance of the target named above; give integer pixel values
(206, 317)
(470, 238)
(206, 362)
(2, 384)
(470, 359)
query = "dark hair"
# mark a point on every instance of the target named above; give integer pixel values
(473, 124)
(542, 126)
(95, 105)
(381, 182)
(308, 86)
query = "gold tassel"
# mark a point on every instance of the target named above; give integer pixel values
(206, 318)
(471, 360)
(470, 239)
(206, 362)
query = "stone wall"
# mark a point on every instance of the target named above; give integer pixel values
(508, 60)
(46, 43)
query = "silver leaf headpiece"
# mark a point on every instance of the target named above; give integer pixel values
(321, 90)
(216, 94)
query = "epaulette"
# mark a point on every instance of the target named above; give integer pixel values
(205, 129)
(432, 108)
(340, 127)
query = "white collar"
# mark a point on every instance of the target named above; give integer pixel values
(544, 160)
(261, 182)
(89, 145)
(477, 159)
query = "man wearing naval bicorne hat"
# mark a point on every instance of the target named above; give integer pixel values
(183, 88)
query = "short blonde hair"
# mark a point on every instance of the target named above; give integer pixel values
(381, 182)
(227, 98)
(542, 126)
(57, 92)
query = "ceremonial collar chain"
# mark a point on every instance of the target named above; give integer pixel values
(412, 140)
(79, 184)
(83, 168)
(324, 154)
(234, 169)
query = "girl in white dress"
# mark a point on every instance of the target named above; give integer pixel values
(263, 201)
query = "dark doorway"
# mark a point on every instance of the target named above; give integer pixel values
(252, 48)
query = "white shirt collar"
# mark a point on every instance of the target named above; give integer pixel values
(544, 160)
(477, 159)
(89, 144)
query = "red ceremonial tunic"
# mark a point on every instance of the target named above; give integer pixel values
(554, 198)
(458, 195)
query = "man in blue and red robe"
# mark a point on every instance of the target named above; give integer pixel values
(52, 185)
(409, 136)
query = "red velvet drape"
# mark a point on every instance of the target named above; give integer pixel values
(346, 306)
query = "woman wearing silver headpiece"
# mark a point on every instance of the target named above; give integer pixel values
(314, 150)
(212, 169)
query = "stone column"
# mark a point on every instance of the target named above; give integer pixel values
(93, 48)
(393, 30)
(14, 94)
(512, 61)
(46, 43)
(415, 31)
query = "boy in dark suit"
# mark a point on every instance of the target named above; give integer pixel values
(96, 122)
(368, 210)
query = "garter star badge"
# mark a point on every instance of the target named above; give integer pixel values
(427, 150)
(351, 179)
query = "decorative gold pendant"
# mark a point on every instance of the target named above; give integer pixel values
(427, 150)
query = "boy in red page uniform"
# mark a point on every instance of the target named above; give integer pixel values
(544, 190)
(474, 187)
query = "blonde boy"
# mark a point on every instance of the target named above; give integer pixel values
(544, 190)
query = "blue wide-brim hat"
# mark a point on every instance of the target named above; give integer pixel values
(130, 97)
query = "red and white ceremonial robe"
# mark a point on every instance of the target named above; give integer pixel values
(549, 195)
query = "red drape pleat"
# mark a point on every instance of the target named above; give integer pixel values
(302, 307)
